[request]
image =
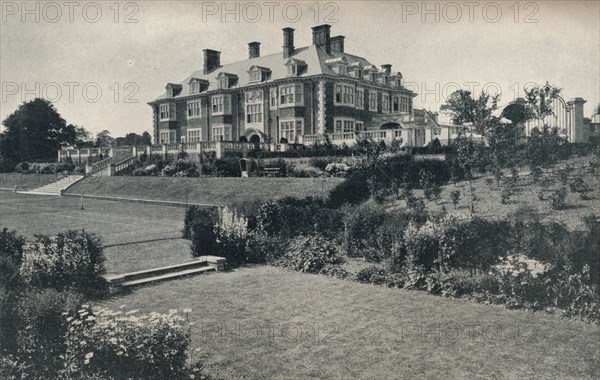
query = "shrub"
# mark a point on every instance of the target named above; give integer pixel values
(107, 344)
(264, 249)
(427, 182)
(558, 198)
(22, 167)
(455, 197)
(334, 270)
(230, 231)
(353, 190)
(578, 185)
(319, 163)
(304, 171)
(200, 227)
(309, 254)
(228, 167)
(337, 168)
(372, 275)
(536, 173)
(43, 326)
(506, 193)
(460, 282)
(73, 259)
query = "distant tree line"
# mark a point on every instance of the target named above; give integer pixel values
(36, 131)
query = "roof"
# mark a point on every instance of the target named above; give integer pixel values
(314, 58)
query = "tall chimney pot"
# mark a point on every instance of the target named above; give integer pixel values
(321, 37)
(212, 60)
(337, 44)
(288, 42)
(254, 49)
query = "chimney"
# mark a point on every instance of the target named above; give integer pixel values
(212, 60)
(387, 68)
(321, 37)
(254, 49)
(337, 44)
(288, 42)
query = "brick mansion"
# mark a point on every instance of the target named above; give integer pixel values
(298, 95)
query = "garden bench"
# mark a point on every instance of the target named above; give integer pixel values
(270, 172)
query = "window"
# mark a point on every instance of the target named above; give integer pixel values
(396, 104)
(373, 76)
(385, 100)
(360, 126)
(166, 110)
(341, 70)
(164, 137)
(254, 113)
(384, 79)
(221, 133)
(398, 82)
(360, 99)
(372, 101)
(224, 82)
(194, 134)
(344, 126)
(256, 76)
(292, 70)
(221, 105)
(290, 95)
(273, 97)
(290, 129)
(194, 109)
(344, 94)
(194, 88)
(358, 73)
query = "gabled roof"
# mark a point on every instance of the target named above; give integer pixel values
(314, 59)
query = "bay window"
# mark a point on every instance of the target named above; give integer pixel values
(221, 105)
(194, 134)
(194, 109)
(344, 126)
(290, 129)
(290, 95)
(221, 133)
(372, 101)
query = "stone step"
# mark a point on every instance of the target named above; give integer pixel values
(120, 278)
(167, 276)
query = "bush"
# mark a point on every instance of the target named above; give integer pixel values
(199, 226)
(73, 259)
(22, 167)
(228, 167)
(291, 217)
(107, 344)
(264, 249)
(309, 254)
(230, 232)
(372, 275)
(352, 191)
(558, 198)
(455, 197)
(334, 270)
(43, 326)
(303, 171)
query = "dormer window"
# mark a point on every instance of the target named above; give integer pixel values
(197, 85)
(258, 74)
(226, 80)
(173, 89)
(358, 72)
(373, 77)
(338, 65)
(294, 67)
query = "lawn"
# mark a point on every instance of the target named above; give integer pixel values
(25, 181)
(137, 236)
(269, 323)
(204, 190)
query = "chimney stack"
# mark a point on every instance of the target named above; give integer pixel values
(288, 42)
(321, 37)
(387, 68)
(254, 49)
(337, 44)
(212, 60)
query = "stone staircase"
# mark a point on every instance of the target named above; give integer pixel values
(204, 264)
(54, 188)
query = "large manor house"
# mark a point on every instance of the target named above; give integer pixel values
(298, 95)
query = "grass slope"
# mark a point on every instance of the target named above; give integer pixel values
(207, 190)
(268, 323)
(25, 181)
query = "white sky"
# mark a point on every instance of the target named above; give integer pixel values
(559, 44)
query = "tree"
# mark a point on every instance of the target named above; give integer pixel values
(35, 131)
(104, 139)
(464, 109)
(539, 100)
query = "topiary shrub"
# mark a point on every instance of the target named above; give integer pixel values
(372, 275)
(353, 190)
(200, 229)
(309, 254)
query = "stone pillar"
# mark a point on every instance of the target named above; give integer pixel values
(577, 134)
(406, 137)
(428, 136)
(110, 152)
(148, 150)
(164, 151)
(218, 149)
(59, 156)
(134, 151)
(111, 170)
